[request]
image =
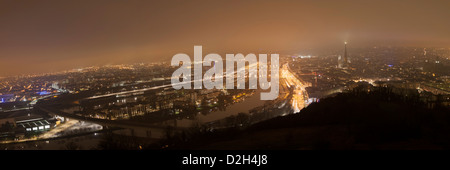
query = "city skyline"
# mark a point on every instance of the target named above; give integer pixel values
(224, 75)
(41, 37)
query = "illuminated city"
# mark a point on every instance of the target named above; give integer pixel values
(167, 75)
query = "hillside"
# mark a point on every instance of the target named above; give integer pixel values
(378, 119)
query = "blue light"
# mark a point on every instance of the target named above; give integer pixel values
(43, 93)
(390, 65)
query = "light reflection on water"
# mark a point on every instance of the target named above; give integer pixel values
(243, 106)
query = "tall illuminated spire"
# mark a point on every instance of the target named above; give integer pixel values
(345, 55)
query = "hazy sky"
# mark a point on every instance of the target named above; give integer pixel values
(42, 36)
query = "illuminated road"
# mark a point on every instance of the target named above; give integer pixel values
(298, 98)
(70, 127)
(58, 129)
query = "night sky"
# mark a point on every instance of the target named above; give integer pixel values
(43, 36)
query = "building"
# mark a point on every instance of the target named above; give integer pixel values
(7, 98)
(33, 123)
(16, 124)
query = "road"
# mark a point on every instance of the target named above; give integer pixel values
(299, 96)
(70, 127)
